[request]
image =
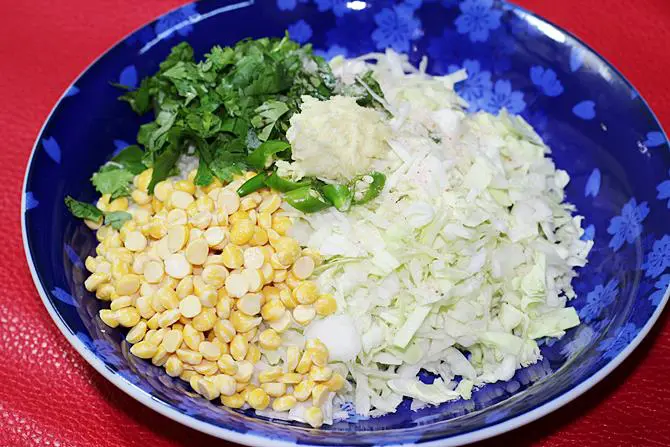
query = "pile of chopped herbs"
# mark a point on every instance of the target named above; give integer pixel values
(232, 110)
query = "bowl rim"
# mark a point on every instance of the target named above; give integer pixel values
(255, 440)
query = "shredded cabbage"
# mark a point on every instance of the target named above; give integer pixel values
(464, 260)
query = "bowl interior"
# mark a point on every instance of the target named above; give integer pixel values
(601, 132)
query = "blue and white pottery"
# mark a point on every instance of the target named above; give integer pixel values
(600, 129)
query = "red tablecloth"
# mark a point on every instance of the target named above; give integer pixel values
(50, 396)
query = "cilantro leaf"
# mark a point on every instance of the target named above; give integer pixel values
(267, 115)
(204, 175)
(225, 106)
(225, 170)
(111, 179)
(182, 75)
(139, 99)
(163, 167)
(236, 126)
(228, 157)
(117, 218)
(205, 124)
(131, 159)
(86, 211)
(220, 57)
(262, 157)
(182, 52)
(83, 210)
(164, 122)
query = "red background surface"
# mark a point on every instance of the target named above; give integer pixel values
(50, 396)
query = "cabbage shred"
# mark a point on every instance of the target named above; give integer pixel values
(466, 258)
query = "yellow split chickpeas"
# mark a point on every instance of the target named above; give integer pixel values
(207, 282)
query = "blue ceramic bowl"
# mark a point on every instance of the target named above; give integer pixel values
(601, 131)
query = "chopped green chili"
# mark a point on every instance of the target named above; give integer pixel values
(373, 190)
(306, 199)
(253, 184)
(340, 195)
(281, 184)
